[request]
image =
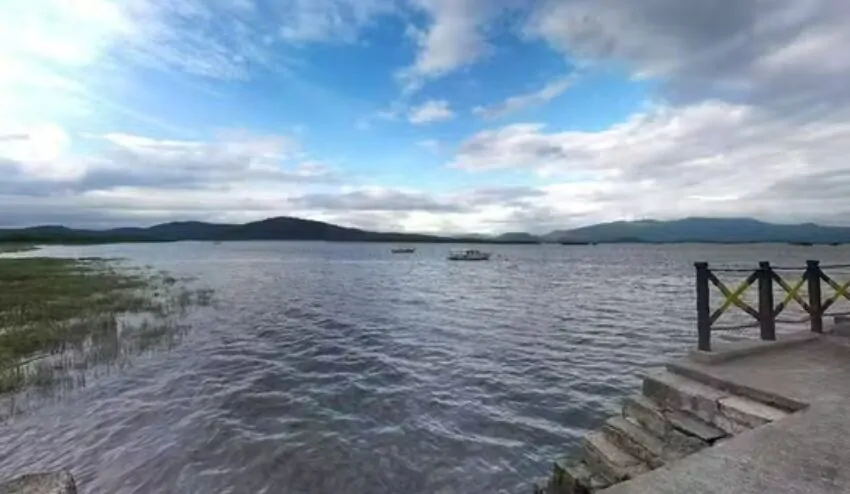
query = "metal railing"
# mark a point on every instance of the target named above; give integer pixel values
(766, 314)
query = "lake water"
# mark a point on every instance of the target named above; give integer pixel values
(341, 368)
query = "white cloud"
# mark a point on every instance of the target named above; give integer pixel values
(785, 53)
(430, 145)
(453, 39)
(329, 20)
(456, 36)
(430, 111)
(753, 118)
(390, 114)
(520, 102)
(42, 155)
(711, 158)
(314, 169)
(68, 33)
(210, 38)
(707, 158)
(59, 34)
(377, 199)
(39, 150)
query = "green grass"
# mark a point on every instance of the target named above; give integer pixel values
(15, 247)
(40, 291)
(51, 308)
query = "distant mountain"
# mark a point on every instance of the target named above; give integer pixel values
(720, 230)
(188, 230)
(518, 238)
(282, 228)
(285, 228)
(64, 235)
(734, 230)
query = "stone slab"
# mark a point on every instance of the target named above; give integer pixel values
(693, 426)
(697, 372)
(645, 412)
(731, 413)
(574, 478)
(683, 430)
(636, 441)
(674, 392)
(806, 452)
(723, 352)
(609, 461)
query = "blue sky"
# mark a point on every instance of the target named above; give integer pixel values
(422, 115)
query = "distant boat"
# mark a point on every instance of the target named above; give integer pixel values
(469, 255)
(404, 250)
(802, 244)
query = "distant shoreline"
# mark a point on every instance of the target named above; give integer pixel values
(717, 231)
(20, 245)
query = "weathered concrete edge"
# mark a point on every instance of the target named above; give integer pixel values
(731, 351)
(691, 371)
(725, 352)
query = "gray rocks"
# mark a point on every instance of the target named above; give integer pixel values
(59, 482)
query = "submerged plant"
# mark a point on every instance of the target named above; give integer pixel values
(61, 317)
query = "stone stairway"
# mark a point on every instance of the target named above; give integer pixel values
(678, 413)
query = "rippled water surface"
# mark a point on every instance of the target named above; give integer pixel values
(341, 368)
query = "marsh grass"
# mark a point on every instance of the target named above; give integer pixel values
(59, 317)
(15, 247)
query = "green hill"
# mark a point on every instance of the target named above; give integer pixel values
(719, 230)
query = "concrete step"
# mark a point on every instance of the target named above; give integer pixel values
(572, 477)
(694, 427)
(643, 411)
(746, 412)
(695, 373)
(636, 441)
(666, 424)
(730, 413)
(608, 461)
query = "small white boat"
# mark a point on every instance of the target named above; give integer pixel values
(404, 250)
(468, 255)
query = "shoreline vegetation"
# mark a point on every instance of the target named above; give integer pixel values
(8, 248)
(60, 317)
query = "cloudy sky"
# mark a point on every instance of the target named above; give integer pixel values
(423, 115)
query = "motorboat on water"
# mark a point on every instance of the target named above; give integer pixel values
(468, 255)
(404, 250)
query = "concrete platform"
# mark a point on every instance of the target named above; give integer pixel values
(807, 451)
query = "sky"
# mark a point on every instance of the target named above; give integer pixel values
(441, 116)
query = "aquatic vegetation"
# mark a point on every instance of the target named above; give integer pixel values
(59, 316)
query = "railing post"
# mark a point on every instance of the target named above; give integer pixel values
(703, 308)
(766, 321)
(813, 278)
